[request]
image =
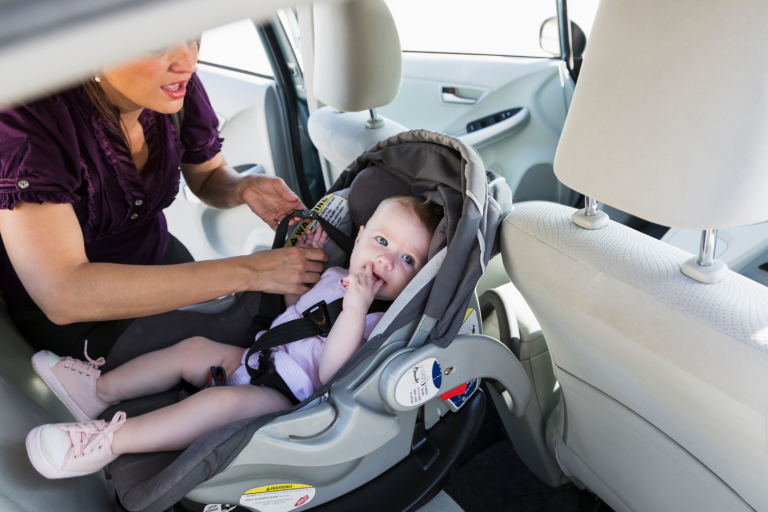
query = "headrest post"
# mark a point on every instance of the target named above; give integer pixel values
(590, 217)
(707, 248)
(590, 206)
(704, 267)
(375, 121)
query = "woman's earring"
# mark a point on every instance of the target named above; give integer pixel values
(97, 79)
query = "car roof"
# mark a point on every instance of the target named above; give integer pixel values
(46, 45)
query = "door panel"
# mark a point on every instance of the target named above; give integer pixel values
(523, 157)
(252, 126)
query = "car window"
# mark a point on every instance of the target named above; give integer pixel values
(290, 22)
(582, 13)
(482, 27)
(235, 46)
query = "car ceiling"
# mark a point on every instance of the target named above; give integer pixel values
(46, 45)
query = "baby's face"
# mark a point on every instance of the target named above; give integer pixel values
(396, 243)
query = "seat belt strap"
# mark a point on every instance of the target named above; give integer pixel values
(317, 320)
(344, 242)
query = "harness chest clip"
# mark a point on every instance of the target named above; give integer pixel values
(320, 316)
(307, 214)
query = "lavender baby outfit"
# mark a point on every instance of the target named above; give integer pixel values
(298, 363)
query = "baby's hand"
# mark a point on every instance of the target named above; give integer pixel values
(361, 290)
(312, 240)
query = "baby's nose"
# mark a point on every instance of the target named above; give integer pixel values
(385, 260)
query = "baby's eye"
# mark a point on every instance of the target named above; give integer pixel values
(381, 240)
(408, 259)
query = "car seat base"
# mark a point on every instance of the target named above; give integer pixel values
(417, 479)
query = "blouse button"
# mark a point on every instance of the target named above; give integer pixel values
(138, 202)
(23, 184)
(134, 216)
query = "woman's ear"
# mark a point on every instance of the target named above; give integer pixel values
(360, 233)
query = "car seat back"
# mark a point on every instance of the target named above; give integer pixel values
(662, 376)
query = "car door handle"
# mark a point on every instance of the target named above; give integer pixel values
(449, 96)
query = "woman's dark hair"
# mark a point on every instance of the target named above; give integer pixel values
(108, 111)
(101, 103)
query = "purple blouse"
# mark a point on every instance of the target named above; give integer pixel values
(60, 150)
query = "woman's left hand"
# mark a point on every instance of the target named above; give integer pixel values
(270, 198)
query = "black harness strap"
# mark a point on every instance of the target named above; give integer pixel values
(317, 320)
(344, 242)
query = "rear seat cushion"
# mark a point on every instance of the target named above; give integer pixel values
(26, 402)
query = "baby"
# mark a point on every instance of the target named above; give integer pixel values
(389, 251)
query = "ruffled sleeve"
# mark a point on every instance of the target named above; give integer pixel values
(37, 161)
(199, 134)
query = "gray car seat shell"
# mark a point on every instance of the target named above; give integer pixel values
(345, 434)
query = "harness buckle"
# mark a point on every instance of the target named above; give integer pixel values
(307, 214)
(319, 315)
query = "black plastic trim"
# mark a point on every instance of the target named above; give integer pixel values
(484, 122)
(285, 83)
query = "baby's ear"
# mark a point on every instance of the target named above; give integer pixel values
(360, 233)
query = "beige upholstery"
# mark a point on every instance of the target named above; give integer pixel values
(685, 363)
(343, 137)
(358, 66)
(26, 402)
(669, 109)
(358, 61)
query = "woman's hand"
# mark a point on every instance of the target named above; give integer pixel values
(218, 185)
(287, 271)
(269, 198)
(361, 290)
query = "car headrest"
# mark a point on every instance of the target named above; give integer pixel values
(358, 60)
(669, 120)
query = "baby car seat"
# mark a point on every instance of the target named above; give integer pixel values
(385, 430)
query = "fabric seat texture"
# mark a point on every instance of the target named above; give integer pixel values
(690, 359)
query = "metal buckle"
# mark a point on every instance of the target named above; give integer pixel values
(306, 214)
(320, 317)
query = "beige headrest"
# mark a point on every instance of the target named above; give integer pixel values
(358, 60)
(669, 120)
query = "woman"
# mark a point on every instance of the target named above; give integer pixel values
(84, 176)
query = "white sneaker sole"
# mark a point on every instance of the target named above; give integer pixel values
(43, 370)
(41, 464)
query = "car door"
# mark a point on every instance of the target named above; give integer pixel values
(237, 73)
(466, 70)
(466, 66)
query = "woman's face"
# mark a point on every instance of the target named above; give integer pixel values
(158, 82)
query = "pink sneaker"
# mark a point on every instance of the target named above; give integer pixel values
(73, 381)
(65, 450)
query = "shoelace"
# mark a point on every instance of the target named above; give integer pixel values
(78, 366)
(88, 437)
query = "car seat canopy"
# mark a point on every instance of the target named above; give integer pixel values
(450, 173)
(419, 163)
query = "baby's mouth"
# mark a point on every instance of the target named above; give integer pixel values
(377, 277)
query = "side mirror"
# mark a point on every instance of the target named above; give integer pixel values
(549, 38)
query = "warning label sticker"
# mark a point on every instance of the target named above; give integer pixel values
(332, 208)
(420, 383)
(471, 324)
(219, 508)
(459, 399)
(278, 497)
